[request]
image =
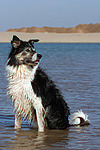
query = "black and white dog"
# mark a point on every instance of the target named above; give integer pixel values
(34, 95)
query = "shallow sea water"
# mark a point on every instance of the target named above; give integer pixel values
(75, 69)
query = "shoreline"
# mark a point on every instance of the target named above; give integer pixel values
(5, 37)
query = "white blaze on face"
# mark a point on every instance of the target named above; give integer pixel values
(34, 57)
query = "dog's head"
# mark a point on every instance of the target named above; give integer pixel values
(23, 53)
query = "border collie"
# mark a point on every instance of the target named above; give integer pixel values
(34, 95)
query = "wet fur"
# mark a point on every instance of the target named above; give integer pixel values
(33, 93)
(31, 90)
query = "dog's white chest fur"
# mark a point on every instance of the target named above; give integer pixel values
(21, 92)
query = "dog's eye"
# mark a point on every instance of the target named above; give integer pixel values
(27, 50)
(24, 53)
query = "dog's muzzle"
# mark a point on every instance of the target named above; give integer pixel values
(34, 60)
(36, 57)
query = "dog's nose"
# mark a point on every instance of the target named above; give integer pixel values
(39, 56)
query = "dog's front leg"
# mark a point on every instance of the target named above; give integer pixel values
(18, 121)
(40, 116)
(40, 120)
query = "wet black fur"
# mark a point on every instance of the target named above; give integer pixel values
(57, 109)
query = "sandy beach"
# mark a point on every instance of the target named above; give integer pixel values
(53, 37)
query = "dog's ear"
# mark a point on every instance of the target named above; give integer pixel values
(32, 42)
(15, 41)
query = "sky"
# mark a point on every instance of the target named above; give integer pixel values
(52, 13)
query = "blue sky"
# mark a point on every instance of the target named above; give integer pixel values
(53, 13)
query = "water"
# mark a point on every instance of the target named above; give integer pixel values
(75, 68)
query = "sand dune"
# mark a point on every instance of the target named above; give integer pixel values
(53, 37)
(81, 28)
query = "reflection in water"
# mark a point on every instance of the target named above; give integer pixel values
(31, 139)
